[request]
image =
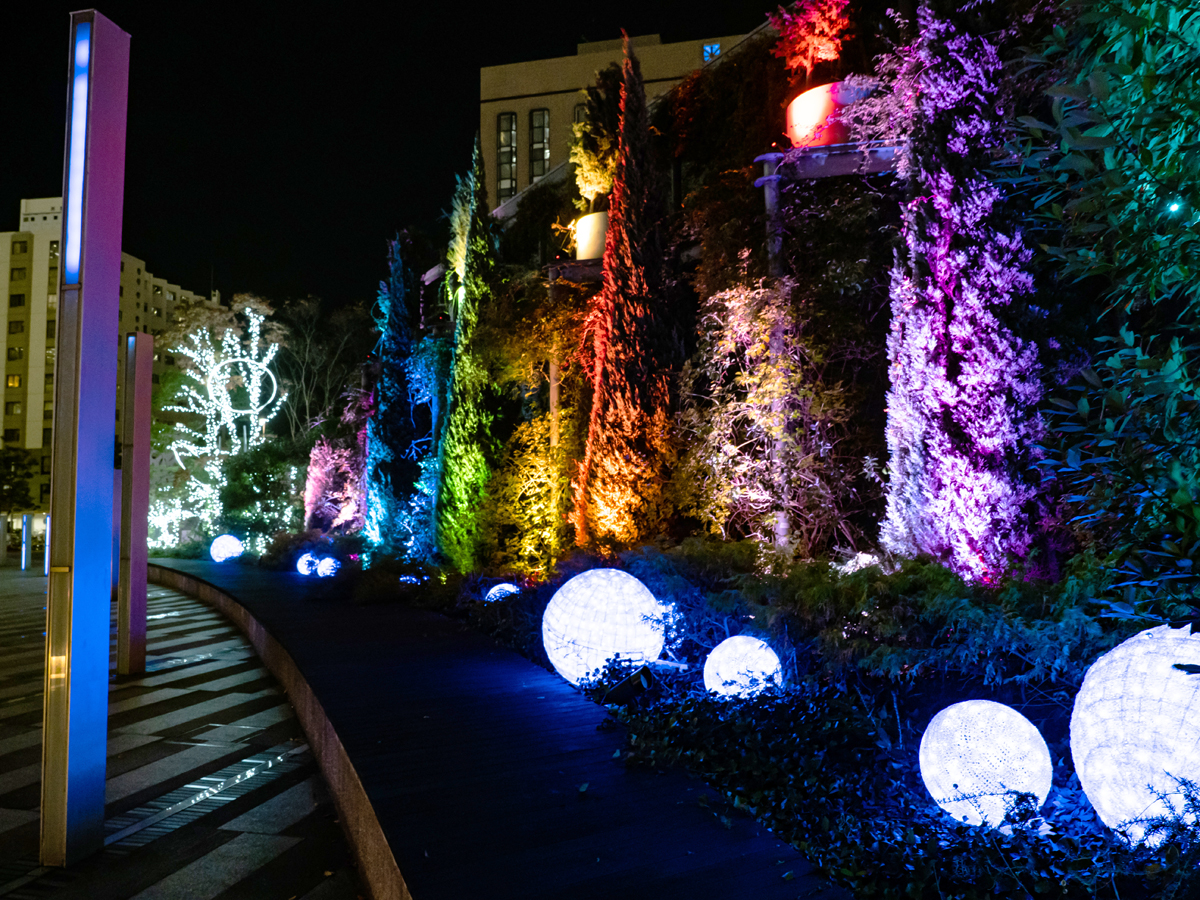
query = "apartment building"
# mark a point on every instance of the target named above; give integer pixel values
(526, 109)
(29, 261)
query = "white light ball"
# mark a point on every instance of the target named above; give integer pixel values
(741, 666)
(597, 615)
(327, 567)
(974, 754)
(225, 547)
(1135, 729)
(306, 564)
(500, 591)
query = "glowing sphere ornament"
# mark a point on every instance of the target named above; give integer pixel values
(306, 564)
(741, 666)
(327, 567)
(500, 591)
(225, 547)
(1135, 730)
(597, 615)
(974, 755)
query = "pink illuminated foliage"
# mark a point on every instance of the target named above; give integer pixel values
(964, 389)
(335, 490)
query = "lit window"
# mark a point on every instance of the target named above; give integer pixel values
(19, 247)
(54, 249)
(12, 408)
(16, 326)
(506, 156)
(711, 52)
(13, 381)
(158, 289)
(539, 143)
(16, 300)
(18, 274)
(158, 311)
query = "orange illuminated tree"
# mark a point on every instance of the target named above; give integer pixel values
(618, 487)
(810, 32)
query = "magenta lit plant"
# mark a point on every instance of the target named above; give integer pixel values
(964, 388)
(335, 489)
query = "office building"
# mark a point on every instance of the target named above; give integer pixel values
(526, 109)
(29, 261)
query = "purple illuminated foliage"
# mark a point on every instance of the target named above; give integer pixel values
(964, 387)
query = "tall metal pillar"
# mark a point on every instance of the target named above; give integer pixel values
(135, 504)
(46, 548)
(85, 395)
(24, 542)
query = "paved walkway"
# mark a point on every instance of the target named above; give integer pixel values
(212, 791)
(490, 776)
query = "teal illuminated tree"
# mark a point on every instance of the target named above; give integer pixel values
(466, 447)
(390, 467)
(618, 488)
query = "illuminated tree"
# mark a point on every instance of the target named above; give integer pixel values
(466, 447)
(390, 466)
(594, 149)
(618, 488)
(964, 388)
(16, 468)
(766, 436)
(335, 491)
(229, 386)
(811, 32)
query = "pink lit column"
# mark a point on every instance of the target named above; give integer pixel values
(135, 504)
(85, 395)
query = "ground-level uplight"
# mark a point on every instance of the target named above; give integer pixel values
(1134, 730)
(500, 591)
(225, 547)
(598, 615)
(741, 666)
(976, 756)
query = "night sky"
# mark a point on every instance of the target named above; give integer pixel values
(273, 151)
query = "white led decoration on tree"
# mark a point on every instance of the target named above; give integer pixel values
(597, 615)
(976, 756)
(231, 386)
(1135, 730)
(741, 666)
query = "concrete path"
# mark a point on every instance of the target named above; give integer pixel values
(493, 778)
(212, 791)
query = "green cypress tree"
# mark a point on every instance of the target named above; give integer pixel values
(467, 447)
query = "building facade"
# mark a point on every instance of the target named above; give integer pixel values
(526, 109)
(29, 263)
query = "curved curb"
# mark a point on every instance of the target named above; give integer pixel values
(371, 851)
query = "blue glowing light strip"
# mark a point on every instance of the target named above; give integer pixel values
(77, 160)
